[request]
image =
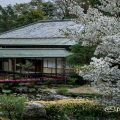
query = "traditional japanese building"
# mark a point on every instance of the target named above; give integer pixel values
(37, 50)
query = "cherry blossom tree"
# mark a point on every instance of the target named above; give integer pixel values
(101, 27)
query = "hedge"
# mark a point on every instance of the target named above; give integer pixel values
(76, 108)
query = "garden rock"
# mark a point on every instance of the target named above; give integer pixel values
(34, 111)
(32, 90)
(21, 90)
(51, 96)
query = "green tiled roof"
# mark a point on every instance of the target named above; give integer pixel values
(33, 52)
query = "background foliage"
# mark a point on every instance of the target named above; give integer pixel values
(25, 13)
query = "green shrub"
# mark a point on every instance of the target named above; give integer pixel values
(54, 112)
(79, 109)
(10, 86)
(49, 83)
(64, 109)
(71, 80)
(62, 91)
(12, 107)
(75, 79)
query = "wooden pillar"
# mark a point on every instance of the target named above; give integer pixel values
(42, 66)
(5, 65)
(2, 64)
(3, 68)
(56, 66)
(20, 65)
(63, 68)
(13, 67)
(35, 68)
(55, 69)
(63, 65)
(20, 68)
(8, 70)
(9, 65)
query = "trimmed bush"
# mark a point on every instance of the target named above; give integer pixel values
(71, 81)
(75, 79)
(62, 91)
(12, 107)
(76, 108)
(60, 110)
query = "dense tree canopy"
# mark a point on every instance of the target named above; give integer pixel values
(81, 54)
(6, 18)
(22, 14)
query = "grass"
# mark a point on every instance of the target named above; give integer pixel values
(86, 89)
(62, 91)
(74, 91)
(83, 89)
(76, 108)
(3, 118)
(60, 109)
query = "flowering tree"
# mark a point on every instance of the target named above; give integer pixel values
(101, 27)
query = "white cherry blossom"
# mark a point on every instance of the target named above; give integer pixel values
(102, 30)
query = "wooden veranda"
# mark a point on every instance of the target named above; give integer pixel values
(38, 70)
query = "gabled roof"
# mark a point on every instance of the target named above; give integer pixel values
(44, 29)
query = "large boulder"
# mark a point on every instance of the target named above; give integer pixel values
(34, 111)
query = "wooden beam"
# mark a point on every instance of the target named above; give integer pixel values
(63, 66)
(35, 68)
(20, 67)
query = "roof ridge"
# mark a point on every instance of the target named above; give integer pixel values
(40, 21)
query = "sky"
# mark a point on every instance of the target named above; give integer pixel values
(4, 3)
(12, 2)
